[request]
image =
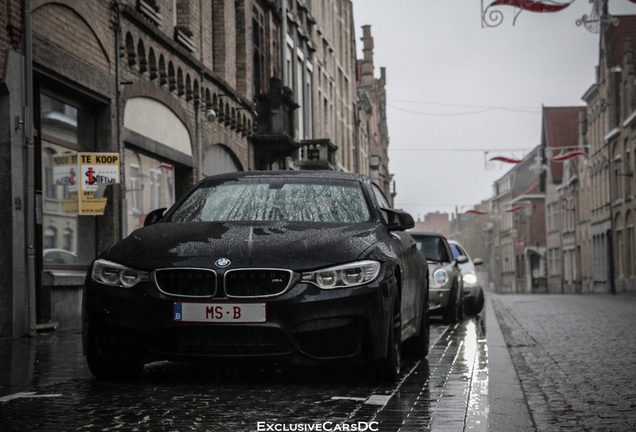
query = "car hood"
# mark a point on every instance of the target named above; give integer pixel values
(296, 246)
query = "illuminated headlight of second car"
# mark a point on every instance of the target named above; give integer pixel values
(342, 276)
(440, 278)
(470, 278)
(110, 273)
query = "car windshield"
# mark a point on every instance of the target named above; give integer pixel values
(275, 199)
(433, 248)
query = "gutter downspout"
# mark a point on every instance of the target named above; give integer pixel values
(30, 206)
(120, 127)
(283, 53)
(197, 120)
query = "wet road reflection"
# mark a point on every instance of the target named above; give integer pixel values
(447, 391)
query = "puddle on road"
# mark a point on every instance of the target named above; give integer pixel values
(448, 390)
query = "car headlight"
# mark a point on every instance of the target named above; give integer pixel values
(470, 278)
(343, 276)
(110, 273)
(440, 277)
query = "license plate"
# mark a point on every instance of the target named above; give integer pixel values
(220, 312)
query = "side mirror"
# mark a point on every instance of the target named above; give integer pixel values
(478, 261)
(399, 220)
(154, 216)
(461, 259)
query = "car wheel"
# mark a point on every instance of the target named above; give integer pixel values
(420, 344)
(460, 305)
(104, 369)
(451, 314)
(389, 368)
(479, 302)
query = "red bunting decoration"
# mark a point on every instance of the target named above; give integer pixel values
(476, 212)
(514, 209)
(505, 159)
(566, 156)
(532, 5)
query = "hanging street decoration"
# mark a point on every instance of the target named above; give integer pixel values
(505, 159)
(494, 17)
(514, 209)
(539, 166)
(566, 156)
(510, 210)
(533, 6)
(598, 17)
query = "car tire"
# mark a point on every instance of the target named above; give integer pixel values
(104, 369)
(389, 368)
(451, 314)
(461, 312)
(478, 304)
(420, 344)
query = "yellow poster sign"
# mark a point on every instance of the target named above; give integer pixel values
(84, 177)
(65, 174)
(97, 170)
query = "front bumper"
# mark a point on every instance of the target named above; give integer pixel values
(304, 325)
(471, 292)
(438, 299)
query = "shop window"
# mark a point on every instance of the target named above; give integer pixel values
(47, 166)
(65, 128)
(151, 186)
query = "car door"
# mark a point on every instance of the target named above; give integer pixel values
(409, 258)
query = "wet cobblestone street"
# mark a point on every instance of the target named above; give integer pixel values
(574, 355)
(434, 393)
(528, 363)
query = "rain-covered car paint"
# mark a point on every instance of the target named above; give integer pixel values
(297, 320)
(446, 283)
(473, 291)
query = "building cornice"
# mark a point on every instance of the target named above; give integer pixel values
(612, 134)
(630, 120)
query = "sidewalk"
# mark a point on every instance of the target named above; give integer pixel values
(507, 403)
(46, 359)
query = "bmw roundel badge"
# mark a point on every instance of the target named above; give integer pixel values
(223, 262)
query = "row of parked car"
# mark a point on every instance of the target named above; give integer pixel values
(454, 288)
(295, 266)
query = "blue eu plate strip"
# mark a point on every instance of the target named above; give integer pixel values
(178, 312)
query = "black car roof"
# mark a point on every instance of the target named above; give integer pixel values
(289, 173)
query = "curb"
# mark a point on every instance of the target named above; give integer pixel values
(508, 409)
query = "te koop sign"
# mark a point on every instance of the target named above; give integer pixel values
(96, 170)
(84, 174)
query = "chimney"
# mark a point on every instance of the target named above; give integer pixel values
(367, 52)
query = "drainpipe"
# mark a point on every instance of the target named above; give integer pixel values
(197, 119)
(283, 53)
(120, 126)
(30, 206)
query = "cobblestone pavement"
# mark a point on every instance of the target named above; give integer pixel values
(45, 386)
(576, 358)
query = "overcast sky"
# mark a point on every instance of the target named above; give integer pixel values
(456, 90)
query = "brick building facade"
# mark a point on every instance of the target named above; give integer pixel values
(176, 90)
(589, 214)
